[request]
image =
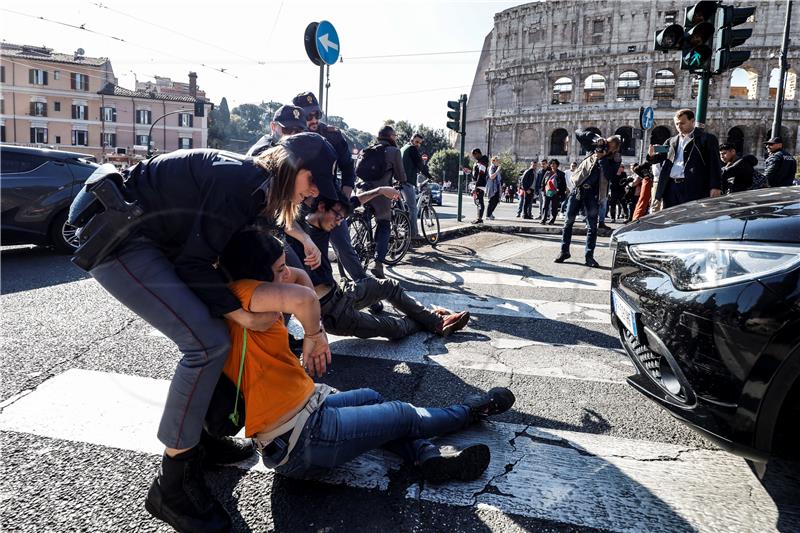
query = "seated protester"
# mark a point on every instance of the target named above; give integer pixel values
(303, 428)
(341, 306)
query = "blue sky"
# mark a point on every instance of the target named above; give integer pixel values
(259, 46)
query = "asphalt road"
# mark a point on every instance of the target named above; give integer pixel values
(83, 379)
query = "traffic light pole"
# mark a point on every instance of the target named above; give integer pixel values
(702, 98)
(778, 115)
(461, 175)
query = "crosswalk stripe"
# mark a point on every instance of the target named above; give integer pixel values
(518, 307)
(489, 277)
(569, 477)
(506, 250)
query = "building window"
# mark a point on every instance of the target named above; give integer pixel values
(3, 133)
(2, 74)
(2, 106)
(628, 86)
(143, 140)
(80, 138)
(78, 82)
(559, 142)
(597, 31)
(109, 140)
(562, 91)
(670, 16)
(143, 116)
(185, 143)
(37, 76)
(185, 120)
(39, 135)
(109, 114)
(38, 109)
(56, 74)
(664, 86)
(58, 139)
(56, 106)
(80, 112)
(594, 88)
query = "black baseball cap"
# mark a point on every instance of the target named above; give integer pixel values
(308, 102)
(315, 154)
(290, 116)
(774, 140)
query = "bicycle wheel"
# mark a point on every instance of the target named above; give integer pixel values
(429, 223)
(399, 238)
(361, 239)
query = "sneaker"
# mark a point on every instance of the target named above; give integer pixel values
(225, 450)
(603, 226)
(180, 497)
(377, 270)
(552, 221)
(518, 215)
(590, 262)
(478, 221)
(490, 217)
(563, 256)
(376, 308)
(496, 401)
(462, 465)
(454, 322)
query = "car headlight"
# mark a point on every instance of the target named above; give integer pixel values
(707, 264)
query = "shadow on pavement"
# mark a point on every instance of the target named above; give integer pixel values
(24, 269)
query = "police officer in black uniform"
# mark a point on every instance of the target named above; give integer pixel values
(340, 236)
(287, 120)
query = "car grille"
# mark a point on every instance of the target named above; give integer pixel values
(650, 360)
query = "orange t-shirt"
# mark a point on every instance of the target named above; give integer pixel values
(273, 380)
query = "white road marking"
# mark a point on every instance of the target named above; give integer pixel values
(570, 477)
(564, 311)
(489, 277)
(507, 250)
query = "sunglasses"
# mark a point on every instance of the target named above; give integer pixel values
(313, 116)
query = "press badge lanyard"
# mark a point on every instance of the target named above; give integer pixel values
(234, 416)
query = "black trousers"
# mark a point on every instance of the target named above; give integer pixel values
(551, 206)
(342, 315)
(528, 203)
(479, 193)
(493, 201)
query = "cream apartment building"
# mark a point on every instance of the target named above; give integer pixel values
(73, 102)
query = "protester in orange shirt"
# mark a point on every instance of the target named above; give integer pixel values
(646, 176)
(303, 428)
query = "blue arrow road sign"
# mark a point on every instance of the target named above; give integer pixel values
(647, 118)
(327, 42)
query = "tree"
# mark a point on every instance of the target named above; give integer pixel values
(444, 162)
(510, 169)
(219, 122)
(252, 122)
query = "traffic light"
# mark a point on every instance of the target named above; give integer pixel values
(454, 116)
(698, 37)
(725, 37)
(670, 38)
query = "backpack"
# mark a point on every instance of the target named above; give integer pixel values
(371, 164)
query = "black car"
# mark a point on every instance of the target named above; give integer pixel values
(706, 299)
(36, 189)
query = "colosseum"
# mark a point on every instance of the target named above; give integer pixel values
(548, 68)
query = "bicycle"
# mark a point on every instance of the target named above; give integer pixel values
(362, 234)
(428, 219)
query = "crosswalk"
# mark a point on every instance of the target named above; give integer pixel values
(527, 332)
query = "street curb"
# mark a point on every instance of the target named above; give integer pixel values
(471, 229)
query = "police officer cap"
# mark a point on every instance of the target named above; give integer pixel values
(774, 140)
(315, 154)
(290, 116)
(307, 101)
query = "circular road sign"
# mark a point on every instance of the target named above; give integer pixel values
(646, 118)
(327, 41)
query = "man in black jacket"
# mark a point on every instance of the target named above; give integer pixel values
(737, 174)
(780, 166)
(527, 187)
(690, 167)
(479, 172)
(538, 187)
(340, 237)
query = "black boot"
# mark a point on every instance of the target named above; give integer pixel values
(463, 465)
(225, 450)
(496, 401)
(563, 256)
(590, 262)
(377, 270)
(179, 496)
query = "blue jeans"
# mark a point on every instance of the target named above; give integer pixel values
(589, 204)
(410, 196)
(350, 423)
(340, 240)
(521, 204)
(602, 209)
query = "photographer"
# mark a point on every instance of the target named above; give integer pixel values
(584, 196)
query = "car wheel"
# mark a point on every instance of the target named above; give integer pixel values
(62, 235)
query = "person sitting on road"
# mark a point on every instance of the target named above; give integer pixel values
(341, 306)
(303, 429)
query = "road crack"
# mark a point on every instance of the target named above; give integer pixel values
(32, 384)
